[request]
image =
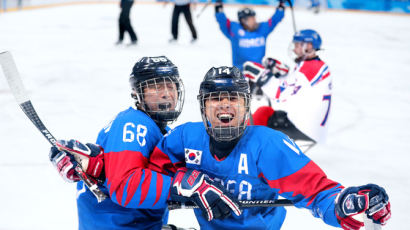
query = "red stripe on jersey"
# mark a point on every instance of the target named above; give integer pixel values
(278, 93)
(325, 76)
(161, 163)
(309, 181)
(310, 68)
(160, 180)
(228, 25)
(145, 186)
(122, 167)
(270, 22)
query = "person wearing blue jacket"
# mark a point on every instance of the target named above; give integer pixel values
(248, 37)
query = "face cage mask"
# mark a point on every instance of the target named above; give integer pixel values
(161, 110)
(228, 133)
(292, 55)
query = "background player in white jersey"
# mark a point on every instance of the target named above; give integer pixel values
(137, 194)
(299, 101)
(256, 163)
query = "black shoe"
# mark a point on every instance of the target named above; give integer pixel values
(133, 43)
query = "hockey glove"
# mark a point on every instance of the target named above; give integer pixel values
(370, 199)
(70, 153)
(277, 68)
(256, 73)
(210, 196)
(282, 4)
(219, 6)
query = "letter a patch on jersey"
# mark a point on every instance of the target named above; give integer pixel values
(193, 156)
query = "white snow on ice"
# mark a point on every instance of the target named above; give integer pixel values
(78, 80)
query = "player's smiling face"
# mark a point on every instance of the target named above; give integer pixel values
(161, 95)
(225, 109)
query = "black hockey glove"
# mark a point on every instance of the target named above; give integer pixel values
(219, 6)
(213, 200)
(71, 153)
(370, 199)
(281, 4)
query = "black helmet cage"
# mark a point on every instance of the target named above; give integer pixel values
(244, 13)
(225, 82)
(148, 73)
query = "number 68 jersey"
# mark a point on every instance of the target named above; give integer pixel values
(137, 195)
(263, 165)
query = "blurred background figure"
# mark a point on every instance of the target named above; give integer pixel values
(248, 37)
(182, 6)
(315, 6)
(125, 23)
(299, 100)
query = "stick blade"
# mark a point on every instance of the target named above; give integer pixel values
(13, 77)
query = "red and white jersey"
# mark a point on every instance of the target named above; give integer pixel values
(305, 94)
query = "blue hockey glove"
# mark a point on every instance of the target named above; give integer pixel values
(71, 153)
(370, 199)
(210, 196)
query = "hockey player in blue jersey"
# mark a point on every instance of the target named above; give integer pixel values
(248, 37)
(255, 163)
(138, 194)
(258, 163)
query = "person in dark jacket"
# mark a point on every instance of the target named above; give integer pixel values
(125, 23)
(182, 6)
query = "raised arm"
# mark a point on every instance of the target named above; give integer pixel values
(224, 23)
(268, 26)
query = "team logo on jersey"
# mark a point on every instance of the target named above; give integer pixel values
(193, 156)
(241, 32)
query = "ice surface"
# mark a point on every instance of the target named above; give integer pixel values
(78, 80)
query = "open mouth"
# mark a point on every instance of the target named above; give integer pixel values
(164, 106)
(225, 118)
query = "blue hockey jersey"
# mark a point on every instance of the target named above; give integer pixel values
(246, 45)
(263, 165)
(138, 195)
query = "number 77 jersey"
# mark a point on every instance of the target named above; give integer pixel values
(264, 165)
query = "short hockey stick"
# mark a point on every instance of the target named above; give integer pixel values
(19, 92)
(243, 203)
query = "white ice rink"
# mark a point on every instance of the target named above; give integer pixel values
(78, 80)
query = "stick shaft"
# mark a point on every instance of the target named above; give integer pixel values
(293, 16)
(19, 92)
(203, 8)
(243, 203)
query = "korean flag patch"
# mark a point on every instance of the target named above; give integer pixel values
(193, 156)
